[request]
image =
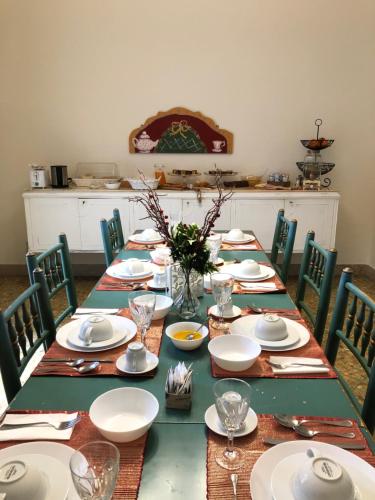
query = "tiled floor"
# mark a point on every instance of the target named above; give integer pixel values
(11, 287)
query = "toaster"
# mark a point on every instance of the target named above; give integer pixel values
(38, 177)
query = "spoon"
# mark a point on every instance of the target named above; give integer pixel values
(309, 433)
(291, 421)
(234, 479)
(88, 368)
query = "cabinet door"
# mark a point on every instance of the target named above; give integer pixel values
(91, 211)
(49, 217)
(258, 216)
(316, 214)
(171, 206)
(193, 211)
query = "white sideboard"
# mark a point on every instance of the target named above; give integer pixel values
(77, 213)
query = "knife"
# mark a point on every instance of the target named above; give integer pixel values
(342, 444)
(62, 360)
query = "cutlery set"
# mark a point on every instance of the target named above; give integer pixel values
(60, 426)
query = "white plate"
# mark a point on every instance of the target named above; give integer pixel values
(119, 323)
(246, 325)
(235, 270)
(136, 238)
(151, 359)
(119, 271)
(57, 451)
(360, 471)
(213, 422)
(246, 239)
(151, 284)
(118, 336)
(236, 311)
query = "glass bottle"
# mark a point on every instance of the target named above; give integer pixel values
(159, 173)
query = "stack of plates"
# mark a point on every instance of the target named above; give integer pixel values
(138, 238)
(247, 238)
(236, 271)
(120, 271)
(124, 330)
(298, 335)
(272, 475)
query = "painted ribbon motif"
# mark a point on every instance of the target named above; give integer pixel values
(180, 128)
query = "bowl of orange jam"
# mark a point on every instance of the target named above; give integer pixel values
(187, 335)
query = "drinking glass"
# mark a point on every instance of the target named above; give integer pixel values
(232, 400)
(142, 307)
(94, 468)
(222, 288)
(214, 244)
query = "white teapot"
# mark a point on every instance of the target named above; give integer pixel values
(144, 144)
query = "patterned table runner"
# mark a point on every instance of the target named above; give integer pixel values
(131, 454)
(219, 486)
(153, 342)
(262, 369)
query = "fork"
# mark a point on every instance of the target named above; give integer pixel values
(281, 366)
(61, 426)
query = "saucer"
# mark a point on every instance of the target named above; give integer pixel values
(213, 422)
(360, 471)
(136, 238)
(151, 359)
(246, 326)
(119, 271)
(265, 273)
(246, 239)
(236, 311)
(151, 284)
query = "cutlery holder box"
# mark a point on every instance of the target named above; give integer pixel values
(178, 401)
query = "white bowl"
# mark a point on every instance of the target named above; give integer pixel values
(20, 479)
(149, 235)
(250, 267)
(140, 184)
(162, 306)
(112, 185)
(235, 235)
(125, 414)
(271, 327)
(186, 345)
(160, 254)
(234, 353)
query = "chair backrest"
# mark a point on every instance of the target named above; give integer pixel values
(55, 263)
(353, 325)
(112, 235)
(24, 326)
(316, 272)
(283, 243)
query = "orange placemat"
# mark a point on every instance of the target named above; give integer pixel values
(131, 454)
(261, 369)
(219, 486)
(110, 284)
(252, 245)
(131, 245)
(153, 342)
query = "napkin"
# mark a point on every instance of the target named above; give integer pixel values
(298, 369)
(36, 433)
(260, 286)
(92, 310)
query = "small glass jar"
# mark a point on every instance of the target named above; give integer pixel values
(159, 173)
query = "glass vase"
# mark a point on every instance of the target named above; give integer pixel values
(187, 302)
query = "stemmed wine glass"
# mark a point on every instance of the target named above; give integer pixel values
(222, 288)
(214, 244)
(232, 400)
(94, 468)
(142, 307)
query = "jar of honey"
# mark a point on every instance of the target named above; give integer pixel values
(159, 173)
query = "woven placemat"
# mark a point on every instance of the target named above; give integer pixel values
(131, 454)
(153, 343)
(219, 486)
(252, 245)
(132, 245)
(261, 369)
(109, 283)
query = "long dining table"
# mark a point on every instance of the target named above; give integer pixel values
(175, 455)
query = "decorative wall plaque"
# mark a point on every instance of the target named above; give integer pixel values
(180, 130)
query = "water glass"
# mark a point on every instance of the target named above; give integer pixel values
(142, 307)
(222, 288)
(232, 401)
(214, 243)
(94, 468)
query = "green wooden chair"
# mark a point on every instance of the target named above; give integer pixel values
(283, 243)
(24, 326)
(112, 235)
(55, 263)
(353, 325)
(316, 272)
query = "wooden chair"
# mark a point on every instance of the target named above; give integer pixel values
(56, 266)
(24, 326)
(316, 271)
(357, 333)
(283, 243)
(112, 235)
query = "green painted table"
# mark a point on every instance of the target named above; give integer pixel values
(176, 449)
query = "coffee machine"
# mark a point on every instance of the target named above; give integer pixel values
(59, 176)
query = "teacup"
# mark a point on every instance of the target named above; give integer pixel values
(95, 329)
(271, 327)
(20, 479)
(160, 278)
(323, 478)
(134, 266)
(150, 235)
(250, 267)
(161, 255)
(235, 235)
(136, 356)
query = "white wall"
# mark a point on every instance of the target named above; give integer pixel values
(78, 75)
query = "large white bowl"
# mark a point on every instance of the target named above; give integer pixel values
(162, 306)
(186, 345)
(125, 414)
(234, 353)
